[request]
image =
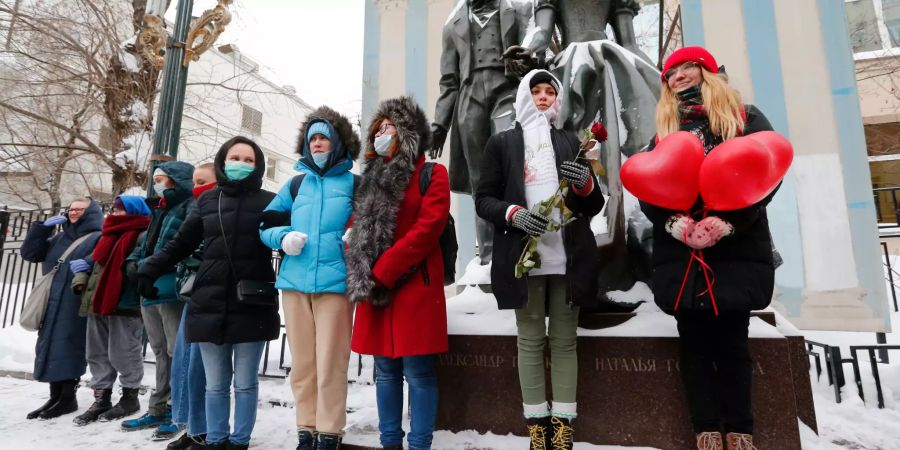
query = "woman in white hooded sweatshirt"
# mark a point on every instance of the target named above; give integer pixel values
(521, 168)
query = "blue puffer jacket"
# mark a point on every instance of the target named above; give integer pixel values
(164, 226)
(321, 210)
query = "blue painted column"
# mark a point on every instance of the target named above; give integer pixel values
(371, 63)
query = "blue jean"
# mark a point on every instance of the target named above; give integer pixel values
(423, 397)
(219, 366)
(188, 384)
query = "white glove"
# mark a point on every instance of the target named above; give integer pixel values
(346, 236)
(293, 243)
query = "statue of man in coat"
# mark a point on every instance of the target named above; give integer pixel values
(477, 90)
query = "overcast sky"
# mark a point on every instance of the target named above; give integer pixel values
(314, 45)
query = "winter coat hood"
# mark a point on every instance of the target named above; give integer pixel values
(181, 174)
(527, 114)
(90, 221)
(345, 143)
(413, 130)
(253, 182)
(133, 205)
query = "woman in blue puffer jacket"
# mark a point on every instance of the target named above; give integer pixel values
(318, 316)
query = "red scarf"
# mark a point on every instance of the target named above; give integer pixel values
(199, 190)
(118, 238)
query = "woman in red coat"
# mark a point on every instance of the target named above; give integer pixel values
(395, 270)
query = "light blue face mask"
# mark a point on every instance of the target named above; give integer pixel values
(160, 188)
(321, 159)
(383, 144)
(237, 171)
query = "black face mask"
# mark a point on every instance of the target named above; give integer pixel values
(691, 95)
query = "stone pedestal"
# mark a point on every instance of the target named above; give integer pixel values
(629, 390)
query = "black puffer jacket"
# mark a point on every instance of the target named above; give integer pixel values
(743, 271)
(214, 314)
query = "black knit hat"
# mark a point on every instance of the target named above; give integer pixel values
(544, 77)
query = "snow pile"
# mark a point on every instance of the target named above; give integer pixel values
(475, 274)
(17, 349)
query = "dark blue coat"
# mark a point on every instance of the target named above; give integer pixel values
(59, 353)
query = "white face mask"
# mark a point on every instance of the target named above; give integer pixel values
(383, 144)
(159, 188)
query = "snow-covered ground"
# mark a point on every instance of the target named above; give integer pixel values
(851, 424)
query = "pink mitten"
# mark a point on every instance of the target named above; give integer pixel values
(680, 226)
(708, 232)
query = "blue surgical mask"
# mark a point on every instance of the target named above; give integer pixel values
(321, 159)
(237, 170)
(160, 188)
(383, 144)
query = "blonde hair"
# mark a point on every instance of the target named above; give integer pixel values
(722, 103)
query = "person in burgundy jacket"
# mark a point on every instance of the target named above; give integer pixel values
(395, 269)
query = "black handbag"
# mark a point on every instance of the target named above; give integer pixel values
(249, 292)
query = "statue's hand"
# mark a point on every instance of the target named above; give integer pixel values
(519, 60)
(438, 137)
(517, 52)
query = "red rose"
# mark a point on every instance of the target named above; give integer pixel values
(599, 132)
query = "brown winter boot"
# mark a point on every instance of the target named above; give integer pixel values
(709, 440)
(740, 441)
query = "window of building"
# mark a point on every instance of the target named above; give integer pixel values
(873, 24)
(251, 120)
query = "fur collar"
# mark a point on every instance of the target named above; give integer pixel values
(380, 194)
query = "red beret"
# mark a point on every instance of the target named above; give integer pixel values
(698, 55)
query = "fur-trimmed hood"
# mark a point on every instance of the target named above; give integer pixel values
(413, 129)
(349, 140)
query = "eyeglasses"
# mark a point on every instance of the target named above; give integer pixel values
(683, 68)
(384, 128)
(77, 209)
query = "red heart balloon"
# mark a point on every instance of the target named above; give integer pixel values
(742, 171)
(780, 148)
(668, 176)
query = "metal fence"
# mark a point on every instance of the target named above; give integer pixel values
(17, 276)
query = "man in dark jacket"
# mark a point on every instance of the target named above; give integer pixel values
(161, 308)
(60, 350)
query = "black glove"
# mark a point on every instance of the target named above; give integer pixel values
(438, 138)
(575, 173)
(146, 288)
(529, 222)
(130, 268)
(271, 219)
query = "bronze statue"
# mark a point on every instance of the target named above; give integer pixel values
(614, 83)
(477, 90)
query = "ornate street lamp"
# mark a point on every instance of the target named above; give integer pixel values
(184, 46)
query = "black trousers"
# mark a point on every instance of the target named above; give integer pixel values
(717, 370)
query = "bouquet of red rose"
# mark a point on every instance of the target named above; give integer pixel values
(591, 139)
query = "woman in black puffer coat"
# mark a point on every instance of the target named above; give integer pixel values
(713, 318)
(226, 220)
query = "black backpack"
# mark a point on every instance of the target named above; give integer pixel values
(449, 245)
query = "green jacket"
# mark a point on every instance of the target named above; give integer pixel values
(164, 226)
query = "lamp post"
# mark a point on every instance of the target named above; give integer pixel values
(185, 45)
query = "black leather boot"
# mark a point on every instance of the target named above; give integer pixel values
(54, 397)
(67, 402)
(101, 404)
(540, 432)
(128, 404)
(563, 433)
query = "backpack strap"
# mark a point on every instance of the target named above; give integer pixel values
(425, 177)
(295, 185)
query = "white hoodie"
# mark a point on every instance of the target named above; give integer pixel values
(541, 176)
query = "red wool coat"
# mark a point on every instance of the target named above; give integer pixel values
(415, 322)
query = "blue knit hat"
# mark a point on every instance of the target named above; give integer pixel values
(318, 128)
